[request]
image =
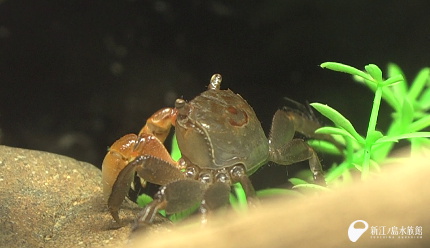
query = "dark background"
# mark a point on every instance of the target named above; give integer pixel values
(77, 75)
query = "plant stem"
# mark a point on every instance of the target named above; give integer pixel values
(371, 128)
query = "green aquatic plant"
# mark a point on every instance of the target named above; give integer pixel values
(410, 116)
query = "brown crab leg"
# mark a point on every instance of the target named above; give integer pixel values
(174, 197)
(285, 150)
(146, 216)
(216, 196)
(238, 174)
(298, 150)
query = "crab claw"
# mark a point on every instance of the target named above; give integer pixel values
(116, 159)
(144, 154)
(152, 169)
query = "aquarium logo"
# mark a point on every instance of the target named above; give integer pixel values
(355, 233)
(384, 232)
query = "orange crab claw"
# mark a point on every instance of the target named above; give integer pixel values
(128, 148)
(125, 150)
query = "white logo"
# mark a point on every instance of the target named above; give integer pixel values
(355, 233)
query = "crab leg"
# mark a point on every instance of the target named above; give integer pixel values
(174, 197)
(183, 194)
(238, 174)
(285, 150)
(217, 195)
(298, 150)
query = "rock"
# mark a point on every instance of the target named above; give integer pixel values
(48, 200)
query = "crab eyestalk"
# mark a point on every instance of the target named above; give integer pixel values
(215, 82)
(182, 107)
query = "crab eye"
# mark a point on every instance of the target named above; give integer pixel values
(179, 103)
(182, 107)
(215, 82)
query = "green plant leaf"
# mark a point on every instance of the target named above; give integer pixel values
(278, 192)
(407, 114)
(392, 80)
(336, 171)
(396, 138)
(420, 146)
(418, 84)
(393, 69)
(375, 166)
(387, 94)
(233, 200)
(311, 186)
(419, 124)
(176, 152)
(373, 136)
(338, 119)
(334, 131)
(399, 90)
(183, 214)
(374, 71)
(346, 176)
(324, 147)
(242, 202)
(346, 69)
(297, 181)
(143, 200)
(359, 167)
(424, 102)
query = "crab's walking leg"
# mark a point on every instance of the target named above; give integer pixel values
(174, 197)
(285, 150)
(238, 174)
(298, 150)
(216, 196)
(146, 216)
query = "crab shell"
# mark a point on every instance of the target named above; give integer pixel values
(218, 129)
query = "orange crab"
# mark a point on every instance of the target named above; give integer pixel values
(221, 141)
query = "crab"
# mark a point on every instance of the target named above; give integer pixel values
(221, 142)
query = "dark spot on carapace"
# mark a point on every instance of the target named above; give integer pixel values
(236, 116)
(232, 110)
